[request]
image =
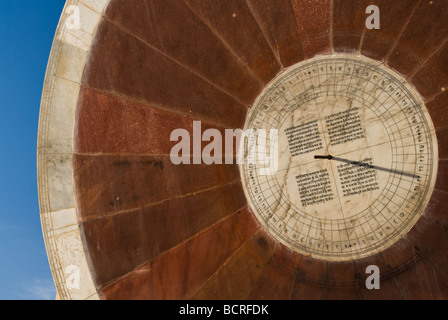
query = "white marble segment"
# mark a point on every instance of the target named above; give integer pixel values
(71, 63)
(70, 250)
(64, 218)
(59, 181)
(60, 114)
(96, 5)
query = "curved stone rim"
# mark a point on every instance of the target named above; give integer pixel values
(58, 213)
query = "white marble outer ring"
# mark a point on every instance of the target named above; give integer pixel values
(57, 201)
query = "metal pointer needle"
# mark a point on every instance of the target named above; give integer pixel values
(324, 157)
(366, 165)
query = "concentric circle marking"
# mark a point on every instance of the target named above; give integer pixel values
(357, 157)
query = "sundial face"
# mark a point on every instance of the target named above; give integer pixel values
(357, 157)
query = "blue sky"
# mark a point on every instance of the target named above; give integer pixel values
(27, 28)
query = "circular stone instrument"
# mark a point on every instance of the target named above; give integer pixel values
(340, 157)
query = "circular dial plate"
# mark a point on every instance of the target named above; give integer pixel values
(376, 159)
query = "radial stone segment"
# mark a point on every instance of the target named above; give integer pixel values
(357, 158)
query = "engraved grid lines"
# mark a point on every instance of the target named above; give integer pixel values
(395, 185)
